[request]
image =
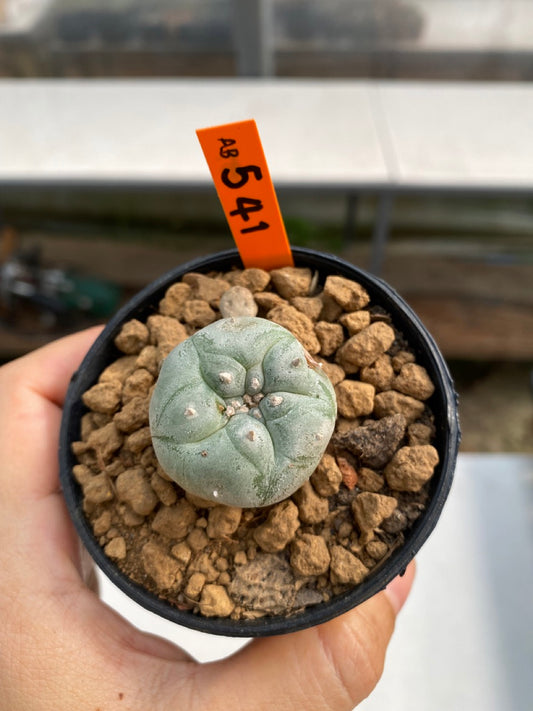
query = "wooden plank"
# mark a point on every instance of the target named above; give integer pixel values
(477, 329)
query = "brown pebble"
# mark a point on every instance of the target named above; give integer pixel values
(240, 558)
(419, 433)
(131, 518)
(311, 306)
(279, 528)
(365, 347)
(312, 508)
(174, 299)
(291, 281)
(331, 310)
(205, 288)
(175, 521)
(133, 415)
(326, 478)
(221, 564)
(197, 501)
(97, 490)
(197, 539)
(298, 324)
(334, 372)
(376, 549)
(268, 300)
(223, 521)
(134, 489)
(100, 419)
(400, 358)
(132, 338)
(165, 332)
(224, 578)
(309, 555)
(164, 569)
(215, 601)
(346, 424)
(87, 425)
(371, 509)
(165, 490)
(138, 384)
(82, 473)
(411, 467)
(369, 480)
(345, 530)
(391, 402)
(102, 524)
(148, 460)
(182, 553)
(195, 585)
(355, 321)
(198, 313)
(103, 397)
(202, 563)
(148, 359)
(114, 468)
(414, 380)
(254, 279)
(82, 453)
(345, 567)
(119, 369)
(116, 548)
(139, 440)
(354, 398)
(330, 336)
(380, 373)
(346, 292)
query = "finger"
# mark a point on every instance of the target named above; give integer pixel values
(398, 590)
(47, 370)
(31, 390)
(332, 667)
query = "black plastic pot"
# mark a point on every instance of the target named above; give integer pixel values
(443, 404)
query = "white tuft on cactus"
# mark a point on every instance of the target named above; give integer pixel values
(238, 416)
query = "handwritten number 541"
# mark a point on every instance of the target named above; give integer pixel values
(245, 205)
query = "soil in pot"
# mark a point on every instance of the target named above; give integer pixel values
(368, 490)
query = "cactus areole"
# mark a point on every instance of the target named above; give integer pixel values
(239, 416)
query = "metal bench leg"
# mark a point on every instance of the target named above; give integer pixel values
(350, 222)
(253, 36)
(381, 233)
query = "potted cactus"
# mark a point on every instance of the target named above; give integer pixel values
(239, 416)
(208, 470)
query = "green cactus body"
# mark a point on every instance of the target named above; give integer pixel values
(238, 416)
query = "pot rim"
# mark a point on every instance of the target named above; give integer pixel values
(443, 404)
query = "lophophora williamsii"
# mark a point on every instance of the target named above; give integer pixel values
(241, 415)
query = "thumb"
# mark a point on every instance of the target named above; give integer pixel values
(331, 667)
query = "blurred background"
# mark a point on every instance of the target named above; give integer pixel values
(71, 252)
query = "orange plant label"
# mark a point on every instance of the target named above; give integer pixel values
(240, 172)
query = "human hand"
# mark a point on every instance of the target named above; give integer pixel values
(61, 648)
